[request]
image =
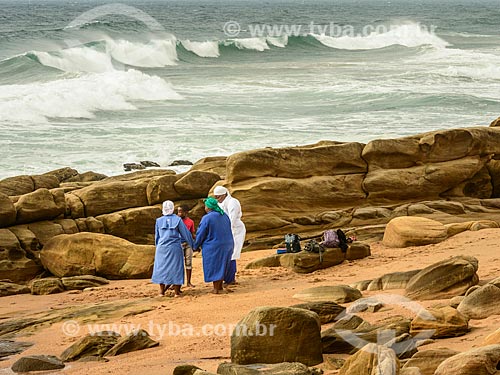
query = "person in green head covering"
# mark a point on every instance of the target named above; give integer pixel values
(215, 238)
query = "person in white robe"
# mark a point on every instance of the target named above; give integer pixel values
(232, 208)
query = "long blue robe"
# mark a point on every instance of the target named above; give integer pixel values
(215, 238)
(170, 232)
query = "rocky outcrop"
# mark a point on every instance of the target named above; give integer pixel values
(14, 263)
(49, 285)
(413, 231)
(97, 254)
(427, 361)
(333, 293)
(394, 280)
(9, 289)
(445, 279)
(288, 368)
(326, 310)
(440, 323)
(95, 345)
(482, 302)
(136, 340)
(372, 360)
(253, 342)
(479, 361)
(7, 211)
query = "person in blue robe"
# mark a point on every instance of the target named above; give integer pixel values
(215, 238)
(168, 267)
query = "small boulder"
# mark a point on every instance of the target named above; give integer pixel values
(259, 337)
(443, 322)
(49, 285)
(185, 370)
(90, 345)
(480, 361)
(444, 279)
(137, 340)
(82, 282)
(407, 231)
(429, 360)
(481, 303)
(270, 261)
(37, 363)
(372, 359)
(9, 289)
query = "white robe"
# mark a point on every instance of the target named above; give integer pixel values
(232, 208)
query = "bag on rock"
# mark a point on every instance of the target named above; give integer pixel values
(292, 243)
(330, 238)
(314, 247)
(343, 242)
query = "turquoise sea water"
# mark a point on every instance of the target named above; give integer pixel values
(94, 84)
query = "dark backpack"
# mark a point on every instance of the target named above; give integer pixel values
(314, 247)
(343, 243)
(292, 243)
(330, 238)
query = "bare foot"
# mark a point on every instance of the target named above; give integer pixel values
(189, 285)
(177, 295)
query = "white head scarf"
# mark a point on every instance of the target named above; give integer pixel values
(168, 208)
(221, 190)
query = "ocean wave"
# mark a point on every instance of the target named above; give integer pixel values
(202, 49)
(81, 59)
(408, 35)
(81, 97)
(256, 44)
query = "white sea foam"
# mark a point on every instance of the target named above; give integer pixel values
(78, 59)
(202, 49)
(280, 41)
(408, 35)
(81, 97)
(257, 44)
(155, 54)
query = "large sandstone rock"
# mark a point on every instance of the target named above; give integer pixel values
(429, 360)
(216, 164)
(7, 211)
(14, 265)
(41, 204)
(372, 360)
(18, 185)
(422, 181)
(394, 280)
(413, 231)
(110, 196)
(316, 192)
(97, 254)
(195, 184)
(162, 188)
(259, 337)
(492, 339)
(306, 262)
(134, 224)
(445, 279)
(481, 303)
(480, 361)
(296, 162)
(432, 147)
(332, 293)
(441, 323)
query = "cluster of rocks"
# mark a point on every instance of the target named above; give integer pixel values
(450, 176)
(93, 347)
(390, 346)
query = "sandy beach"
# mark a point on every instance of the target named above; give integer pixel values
(207, 342)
